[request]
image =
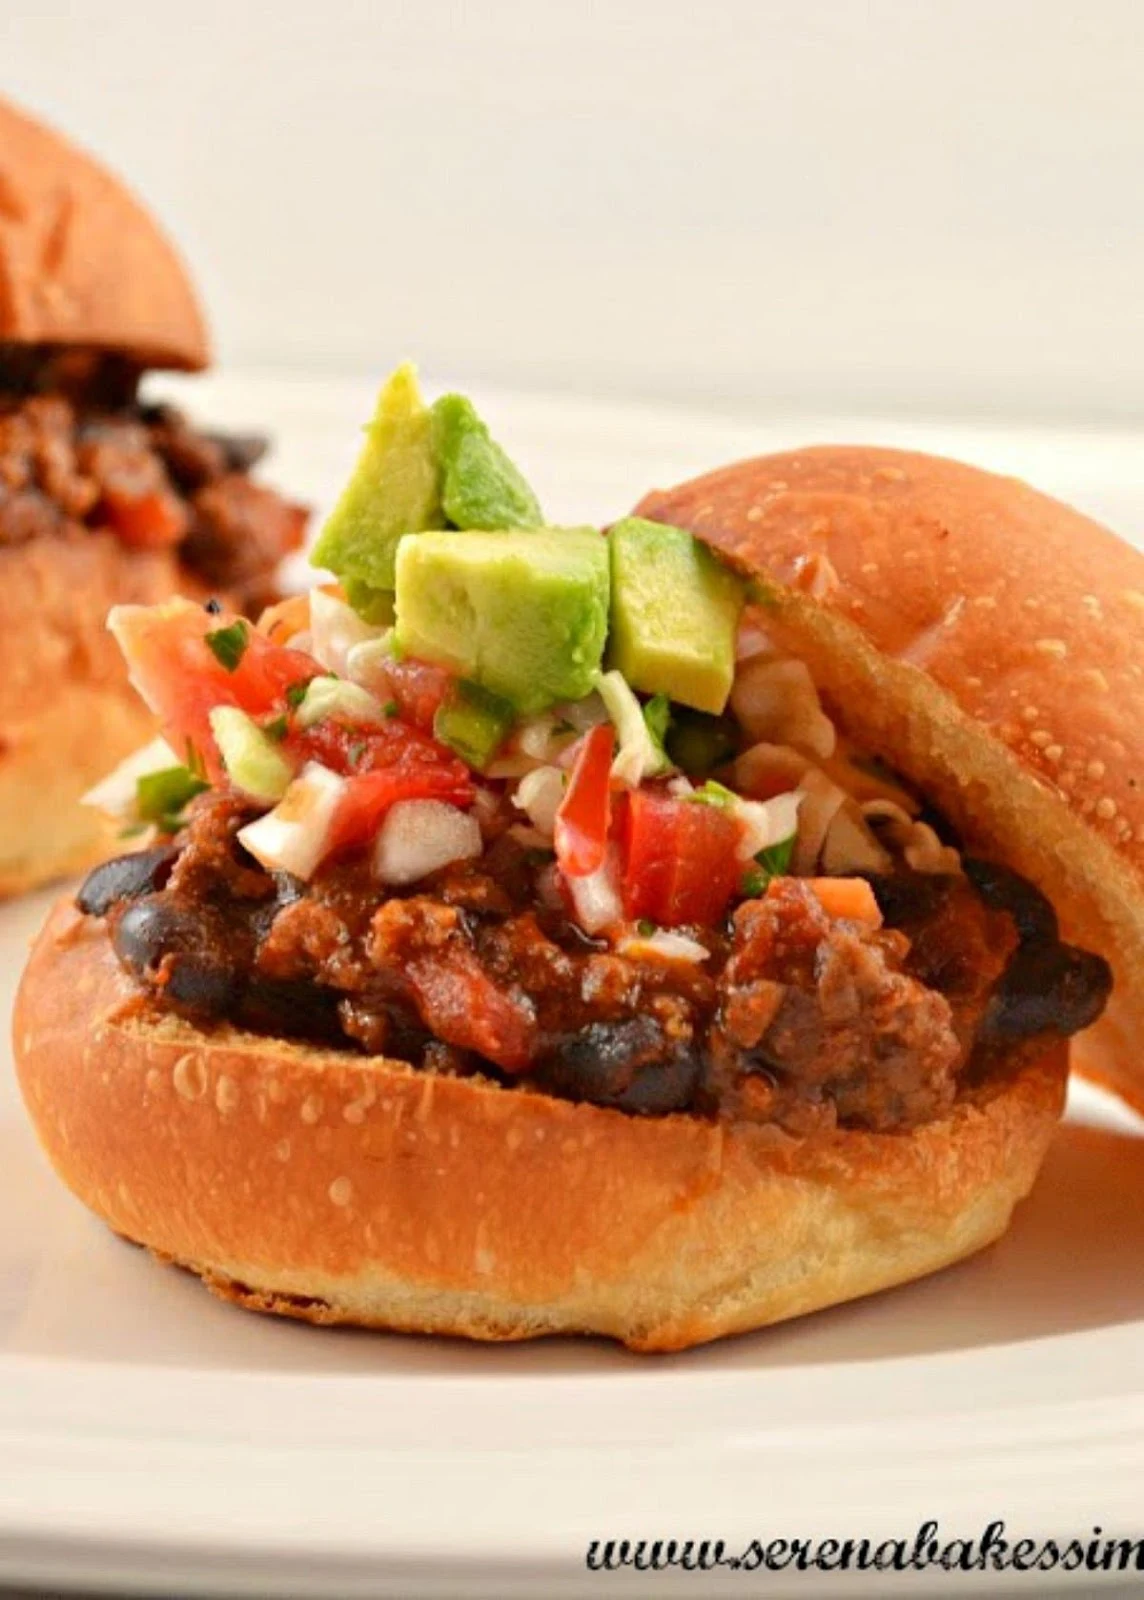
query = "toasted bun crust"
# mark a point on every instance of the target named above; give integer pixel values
(339, 1188)
(986, 640)
(82, 261)
(67, 712)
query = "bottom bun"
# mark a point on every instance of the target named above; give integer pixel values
(346, 1189)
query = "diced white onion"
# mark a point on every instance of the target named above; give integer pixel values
(535, 743)
(115, 794)
(327, 697)
(538, 795)
(584, 714)
(638, 756)
(534, 737)
(418, 836)
(335, 628)
(295, 836)
(766, 823)
(596, 897)
(680, 787)
(368, 663)
(664, 944)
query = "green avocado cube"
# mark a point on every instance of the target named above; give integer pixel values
(480, 487)
(394, 490)
(675, 611)
(522, 613)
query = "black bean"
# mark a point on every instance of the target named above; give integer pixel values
(1005, 890)
(154, 933)
(290, 1010)
(1049, 988)
(628, 1065)
(125, 878)
(909, 897)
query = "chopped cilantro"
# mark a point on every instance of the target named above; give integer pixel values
(296, 693)
(228, 645)
(163, 796)
(277, 728)
(391, 708)
(773, 862)
(645, 928)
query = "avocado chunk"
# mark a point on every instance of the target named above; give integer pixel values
(473, 722)
(480, 487)
(522, 613)
(675, 610)
(394, 490)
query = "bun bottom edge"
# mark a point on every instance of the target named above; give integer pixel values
(335, 1188)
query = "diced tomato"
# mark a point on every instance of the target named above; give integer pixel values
(680, 862)
(419, 688)
(150, 521)
(459, 1003)
(385, 763)
(369, 796)
(584, 815)
(182, 679)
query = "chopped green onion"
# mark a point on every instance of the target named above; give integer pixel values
(715, 794)
(163, 796)
(657, 715)
(228, 645)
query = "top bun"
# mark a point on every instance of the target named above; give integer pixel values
(82, 262)
(989, 642)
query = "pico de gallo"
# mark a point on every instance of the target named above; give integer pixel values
(653, 876)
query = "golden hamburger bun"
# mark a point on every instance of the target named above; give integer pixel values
(342, 1188)
(987, 641)
(82, 261)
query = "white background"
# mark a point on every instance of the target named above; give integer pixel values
(885, 204)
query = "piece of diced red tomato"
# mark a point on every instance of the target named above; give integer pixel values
(151, 521)
(584, 816)
(183, 680)
(460, 1003)
(418, 687)
(680, 861)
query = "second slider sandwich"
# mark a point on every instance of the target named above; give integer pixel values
(562, 932)
(104, 499)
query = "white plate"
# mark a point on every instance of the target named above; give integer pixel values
(151, 1436)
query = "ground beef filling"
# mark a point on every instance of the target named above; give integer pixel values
(795, 1019)
(79, 452)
